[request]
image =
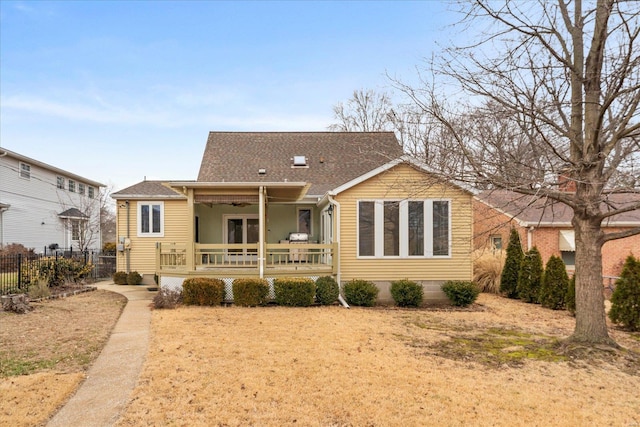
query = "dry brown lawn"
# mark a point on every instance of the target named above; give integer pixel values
(44, 354)
(327, 366)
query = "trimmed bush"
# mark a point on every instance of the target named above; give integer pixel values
(134, 278)
(571, 296)
(625, 300)
(167, 298)
(202, 291)
(555, 283)
(407, 293)
(530, 277)
(511, 269)
(327, 290)
(461, 293)
(250, 292)
(120, 278)
(361, 292)
(294, 292)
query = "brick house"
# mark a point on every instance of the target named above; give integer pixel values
(547, 225)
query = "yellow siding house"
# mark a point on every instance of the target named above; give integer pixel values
(304, 204)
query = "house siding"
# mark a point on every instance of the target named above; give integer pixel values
(489, 222)
(143, 249)
(32, 218)
(405, 182)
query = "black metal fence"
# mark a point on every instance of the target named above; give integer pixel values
(17, 271)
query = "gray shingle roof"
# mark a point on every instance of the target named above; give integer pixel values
(333, 158)
(146, 189)
(72, 213)
(534, 210)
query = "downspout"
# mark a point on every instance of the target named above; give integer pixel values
(336, 237)
(261, 227)
(127, 250)
(530, 237)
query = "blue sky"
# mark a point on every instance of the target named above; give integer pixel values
(118, 90)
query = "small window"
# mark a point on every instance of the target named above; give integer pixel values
(75, 230)
(72, 186)
(60, 182)
(150, 219)
(25, 171)
(91, 192)
(81, 188)
(569, 258)
(496, 242)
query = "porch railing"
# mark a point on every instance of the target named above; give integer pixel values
(278, 256)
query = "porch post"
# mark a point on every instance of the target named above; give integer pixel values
(190, 232)
(261, 234)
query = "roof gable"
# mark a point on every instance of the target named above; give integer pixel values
(332, 158)
(406, 159)
(146, 190)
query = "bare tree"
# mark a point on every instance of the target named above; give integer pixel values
(565, 78)
(365, 111)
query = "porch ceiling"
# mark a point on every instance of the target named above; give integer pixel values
(233, 192)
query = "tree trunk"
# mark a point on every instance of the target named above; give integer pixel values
(591, 323)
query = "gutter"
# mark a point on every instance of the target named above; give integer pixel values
(336, 213)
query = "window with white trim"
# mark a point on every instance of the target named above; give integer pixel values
(150, 219)
(60, 182)
(81, 188)
(404, 228)
(91, 192)
(72, 186)
(25, 171)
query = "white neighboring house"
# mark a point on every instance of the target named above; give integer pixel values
(41, 205)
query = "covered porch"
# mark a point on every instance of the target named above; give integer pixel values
(243, 229)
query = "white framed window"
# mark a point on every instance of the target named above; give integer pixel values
(81, 188)
(60, 182)
(25, 170)
(496, 242)
(72, 186)
(304, 220)
(90, 192)
(75, 230)
(150, 219)
(404, 228)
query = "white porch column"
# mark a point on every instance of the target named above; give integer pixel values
(191, 256)
(261, 234)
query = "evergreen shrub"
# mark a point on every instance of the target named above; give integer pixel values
(294, 292)
(555, 283)
(361, 292)
(530, 277)
(511, 269)
(625, 300)
(250, 292)
(461, 293)
(202, 291)
(327, 290)
(134, 278)
(407, 293)
(120, 278)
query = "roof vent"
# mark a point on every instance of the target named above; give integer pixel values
(262, 171)
(299, 161)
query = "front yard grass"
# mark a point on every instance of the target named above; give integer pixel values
(44, 353)
(497, 364)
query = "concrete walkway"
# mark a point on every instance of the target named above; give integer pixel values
(102, 397)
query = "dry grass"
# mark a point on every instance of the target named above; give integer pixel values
(328, 366)
(487, 269)
(44, 353)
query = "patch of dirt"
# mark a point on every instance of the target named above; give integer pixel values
(49, 349)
